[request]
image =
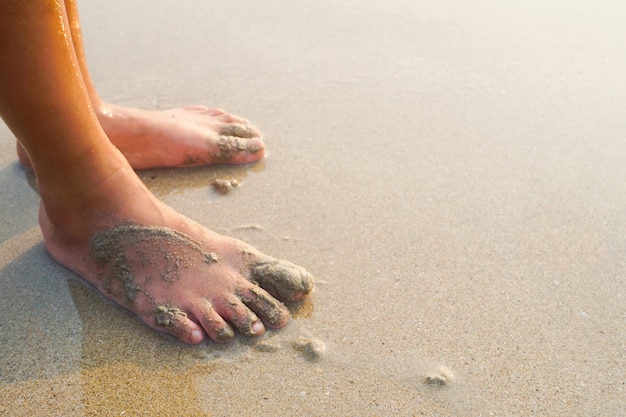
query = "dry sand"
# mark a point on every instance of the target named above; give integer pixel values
(453, 173)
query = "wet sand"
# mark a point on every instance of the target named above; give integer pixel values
(452, 175)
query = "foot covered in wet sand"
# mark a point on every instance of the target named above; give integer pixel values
(149, 265)
(180, 137)
(176, 275)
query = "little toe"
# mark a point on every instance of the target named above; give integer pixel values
(272, 312)
(214, 325)
(173, 320)
(283, 279)
(241, 317)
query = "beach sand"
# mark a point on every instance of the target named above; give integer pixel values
(452, 173)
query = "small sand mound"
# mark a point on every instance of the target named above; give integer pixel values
(312, 349)
(267, 346)
(223, 186)
(440, 377)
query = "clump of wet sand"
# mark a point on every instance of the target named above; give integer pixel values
(289, 281)
(223, 186)
(311, 348)
(267, 346)
(166, 315)
(117, 251)
(440, 377)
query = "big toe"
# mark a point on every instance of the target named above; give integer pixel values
(285, 280)
(240, 130)
(237, 150)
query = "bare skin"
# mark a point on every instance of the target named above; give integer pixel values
(215, 297)
(89, 192)
(179, 137)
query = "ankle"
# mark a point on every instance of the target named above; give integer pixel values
(81, 185)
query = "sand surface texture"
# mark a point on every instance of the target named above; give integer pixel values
(452, 173)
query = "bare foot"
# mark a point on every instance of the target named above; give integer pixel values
(188, 136)
(176, 275)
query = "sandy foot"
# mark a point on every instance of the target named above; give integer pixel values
(176, 275)
(145, 267)
(180, 137)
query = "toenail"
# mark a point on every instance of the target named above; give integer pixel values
(196, 335)
(257, 327)
(225, 334)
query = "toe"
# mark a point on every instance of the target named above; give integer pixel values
(173, 320)
(198, 107)
(215, 112)
(223, 116)
(226, 117)
(241, 317)
(250, 150)
(236, 150)
(283, 279)
(214, 325)
(272, 312)
(239, 130)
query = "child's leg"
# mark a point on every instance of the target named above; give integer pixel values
(97, 217)
(188, 136)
